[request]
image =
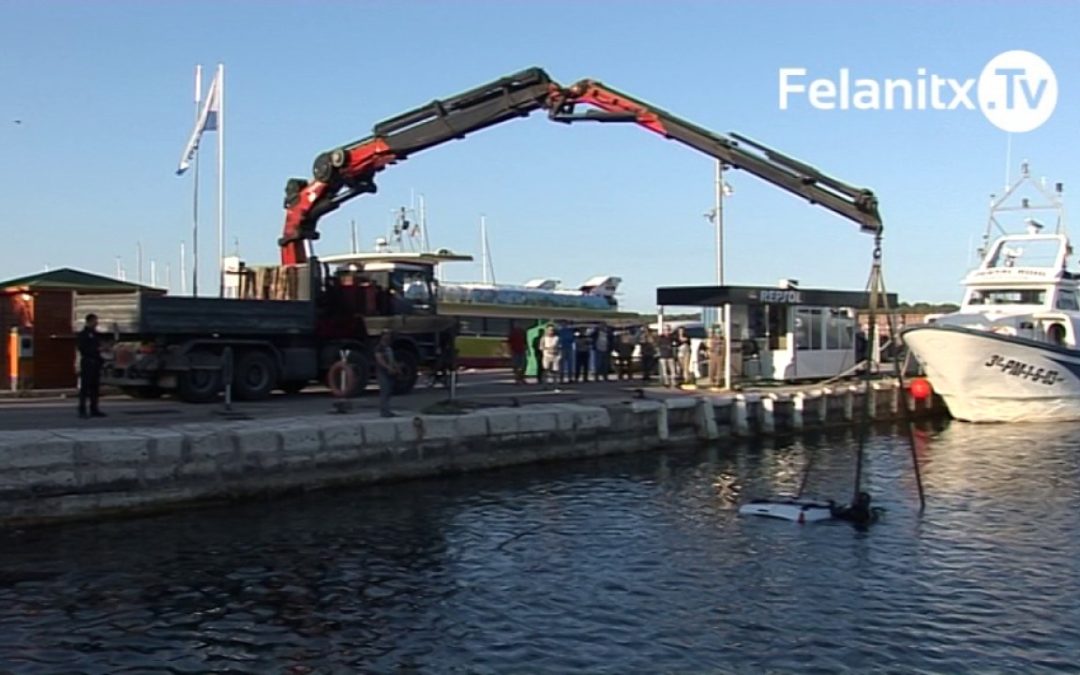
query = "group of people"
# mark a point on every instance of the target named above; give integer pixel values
(676, 357)
(566, 353)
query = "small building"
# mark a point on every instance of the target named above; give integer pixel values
(784, 332)
(38, 345)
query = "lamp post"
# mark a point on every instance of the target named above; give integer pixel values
(716, 216)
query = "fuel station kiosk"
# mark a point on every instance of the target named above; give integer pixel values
(782, 333)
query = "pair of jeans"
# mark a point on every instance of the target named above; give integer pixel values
(667, 371)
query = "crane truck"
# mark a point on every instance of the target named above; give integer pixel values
(295, 321)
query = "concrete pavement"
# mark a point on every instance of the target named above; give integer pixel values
(481, 388)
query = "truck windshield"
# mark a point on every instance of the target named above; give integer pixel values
(415, 288)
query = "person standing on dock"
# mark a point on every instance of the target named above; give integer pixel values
(624, 354)
(582, 347)
(386, 369)
(686, 375)
(648, 344)
(666, 349)
(90, 363)
(538, 354)
(602, 349)
(566, 352)
(550, 346)
(716, 358)
(516, 342)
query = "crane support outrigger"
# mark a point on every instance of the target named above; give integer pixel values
(349, 171)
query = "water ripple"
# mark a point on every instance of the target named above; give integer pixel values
(620, 565)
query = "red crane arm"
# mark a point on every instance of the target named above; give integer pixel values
(349, 171)
(857, 204)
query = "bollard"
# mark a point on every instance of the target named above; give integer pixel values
(740, 418)
(768, 414)
(798, 401)
(706, 415)
(849, 403)
(662, 430)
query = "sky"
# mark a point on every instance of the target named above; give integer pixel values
(103, 92)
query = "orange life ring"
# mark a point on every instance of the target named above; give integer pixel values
(341, 379)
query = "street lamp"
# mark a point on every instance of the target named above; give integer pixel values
(716, 217)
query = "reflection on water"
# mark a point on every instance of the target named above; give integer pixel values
(626, 564)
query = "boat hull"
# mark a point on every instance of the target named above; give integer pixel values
(987, 377)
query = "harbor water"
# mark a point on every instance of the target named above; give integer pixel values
(635, 563)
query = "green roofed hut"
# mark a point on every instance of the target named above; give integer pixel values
(37, 345)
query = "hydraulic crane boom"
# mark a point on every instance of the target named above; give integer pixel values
(349, 171)
(857, 204)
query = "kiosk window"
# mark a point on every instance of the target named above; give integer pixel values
(809, 329)
(802, 329)
(817, 326)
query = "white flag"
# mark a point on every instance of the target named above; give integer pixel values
(208, 121)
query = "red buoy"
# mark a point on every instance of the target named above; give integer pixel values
(920, 389)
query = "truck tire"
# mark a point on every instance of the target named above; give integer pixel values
(199, 385)
(407, 362)
(255, 376)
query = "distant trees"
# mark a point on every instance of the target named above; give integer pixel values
(927, 307)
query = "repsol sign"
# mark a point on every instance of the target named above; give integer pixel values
(779, 296)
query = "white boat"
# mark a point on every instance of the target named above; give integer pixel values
(1010, 353)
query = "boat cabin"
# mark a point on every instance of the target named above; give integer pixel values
(1022, 287)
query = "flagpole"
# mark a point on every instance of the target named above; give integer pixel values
(221, 178)
(195, 195)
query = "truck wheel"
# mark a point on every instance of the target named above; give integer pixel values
(255, 376)
(143, 393)
(407, 363)
(200, 385)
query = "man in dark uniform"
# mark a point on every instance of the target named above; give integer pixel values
(90, 363)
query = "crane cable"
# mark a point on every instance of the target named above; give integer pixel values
(877, 293)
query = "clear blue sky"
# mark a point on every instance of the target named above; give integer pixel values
(104, 91)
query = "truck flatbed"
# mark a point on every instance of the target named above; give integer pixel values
(145, 314)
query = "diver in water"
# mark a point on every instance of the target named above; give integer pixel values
(858, 512)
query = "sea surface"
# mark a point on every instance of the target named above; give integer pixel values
(626, 564)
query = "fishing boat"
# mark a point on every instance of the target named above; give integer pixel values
(1011, 353)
